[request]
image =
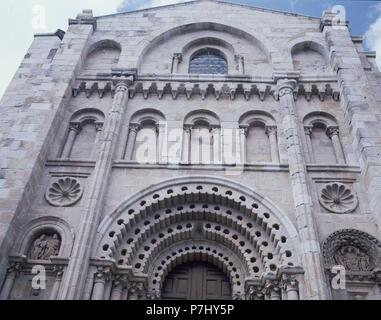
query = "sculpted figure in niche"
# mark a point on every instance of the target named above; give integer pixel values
(352, 259)
(45, 247)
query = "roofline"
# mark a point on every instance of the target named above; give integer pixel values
(217, 1)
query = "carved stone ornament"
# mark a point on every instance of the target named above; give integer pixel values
(353, 249)
(338, 198)
(64, 192)
(45, 246)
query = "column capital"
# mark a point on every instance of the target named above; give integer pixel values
(75, 126)
(135, 127)
(136, 290)
(188, 127)
(215, 129)
(331, 131)
(272, 286)
(271, 130)
(308, 130)
(289, 282)
(244, 129)
(178, 56)
(15, 267)
(286, 86)
(98, 126)
(103, 274)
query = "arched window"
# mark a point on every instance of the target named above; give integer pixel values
(208, 61)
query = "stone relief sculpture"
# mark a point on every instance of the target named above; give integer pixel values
(353, 249)
(45, 246)
(352, 258)
(64, 192)
(338, 198)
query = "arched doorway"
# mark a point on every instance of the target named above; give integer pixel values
(200, 220)
(196, 281)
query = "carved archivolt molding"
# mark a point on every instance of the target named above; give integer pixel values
(192, 219)
(64, 192)
(338, 198)
(353, 249)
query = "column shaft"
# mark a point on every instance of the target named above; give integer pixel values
(186, 145)
(75, 277)
(311, 155)
(216, 132)
(132, 133)
(334, 135)
(242, 142)
(272, 133)
(8, 285)
(310, 248)
(73, 131)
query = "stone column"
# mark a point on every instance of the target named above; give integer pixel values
(290, 284)
(242, 141)
(311, 156)
(271, 132)
(186, 144)
(177, 59)
(132, 133)
(333, 133)
(240, 63)
(117, 287)
(98, 129)
(75, 277)
(59, 270)
(273, 290)
(100, 278)
(136, 290)
(310, 248)
(12, 273)
(216, 134)
(162, 154)
(74, 130)
(255, 292)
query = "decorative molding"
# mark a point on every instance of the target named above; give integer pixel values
(337, 197)
(356, 250)
(202, 89)
(64, 192)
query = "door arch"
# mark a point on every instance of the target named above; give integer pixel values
(196, 281)
(203, 219)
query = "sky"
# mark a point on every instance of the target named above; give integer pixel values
(20, 19)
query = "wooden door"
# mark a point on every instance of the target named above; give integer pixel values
(196, 281)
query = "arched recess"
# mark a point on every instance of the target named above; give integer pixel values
(33, 229)
(199, 218)
(146, 135)
(102, 56)
(83, 133)
(260, 46)
(260, 137)
(323, 138)
(310, 57)
(202, 137)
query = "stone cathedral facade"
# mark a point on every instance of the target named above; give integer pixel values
(202, 150)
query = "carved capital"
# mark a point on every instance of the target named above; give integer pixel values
(271, 130)
(188, 128)
(255, 292)
(272, 287)
(178, 57)
(136, 290)
(308, 130)
(289, 282)
(103, 274)
(286, 87)
(59, 269)
(332, 131)
(134, 127)
(15, 267)
(75, 126)
(98, 126)
(215, 130)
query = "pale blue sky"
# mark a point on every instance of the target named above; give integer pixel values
(18, 20)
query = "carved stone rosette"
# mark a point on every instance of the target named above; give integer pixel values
(64, 192)
(338, 198)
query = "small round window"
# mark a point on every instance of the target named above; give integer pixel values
(208, 61)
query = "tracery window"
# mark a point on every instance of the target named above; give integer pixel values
(208, 61)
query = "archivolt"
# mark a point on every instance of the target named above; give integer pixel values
(198, 218)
